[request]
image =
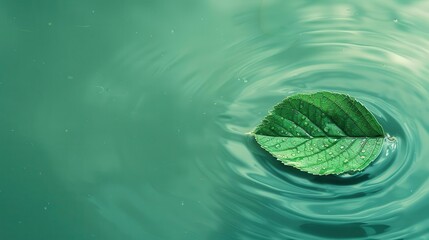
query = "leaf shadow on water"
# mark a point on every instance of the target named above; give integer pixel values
(349, 230)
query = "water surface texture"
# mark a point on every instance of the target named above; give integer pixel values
(128, 119)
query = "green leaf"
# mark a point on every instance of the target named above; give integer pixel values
(321, 133)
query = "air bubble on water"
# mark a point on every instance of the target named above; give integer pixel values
(363, 150)
(342, 147)
(172, 31)
(311, 149)
(298, 151)
(182, 203)
(326, 145)
(330, 153)
(390, 138)
(362, 157)
(395, 20)
(245, 81)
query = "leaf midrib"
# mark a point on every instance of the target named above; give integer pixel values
(334, 137)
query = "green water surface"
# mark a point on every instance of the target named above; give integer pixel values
(128, 119)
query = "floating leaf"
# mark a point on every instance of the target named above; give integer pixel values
(321, 133)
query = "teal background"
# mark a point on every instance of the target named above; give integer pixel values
(128, 119)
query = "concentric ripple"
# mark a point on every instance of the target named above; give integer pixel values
(141, 111)
(378, 56)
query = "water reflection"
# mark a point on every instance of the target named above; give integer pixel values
(352, 230)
